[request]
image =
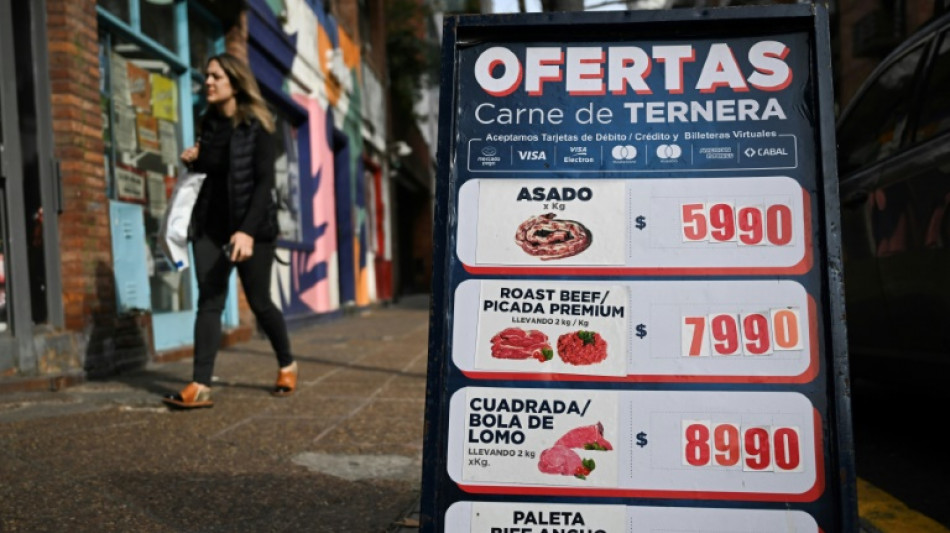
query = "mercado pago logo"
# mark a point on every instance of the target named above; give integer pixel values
(632, 72)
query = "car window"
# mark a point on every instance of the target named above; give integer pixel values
(935, 108)
(875, 125)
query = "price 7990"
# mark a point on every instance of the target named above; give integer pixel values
(749, 333)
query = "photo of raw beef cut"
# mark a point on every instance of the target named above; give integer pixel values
(516, 343)
(586, 437)
(559, 460)
(563, 460)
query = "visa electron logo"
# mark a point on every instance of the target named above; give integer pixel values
(594, 70)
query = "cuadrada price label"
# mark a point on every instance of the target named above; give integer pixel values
(688, 444)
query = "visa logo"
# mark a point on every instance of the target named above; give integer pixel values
(532, 155)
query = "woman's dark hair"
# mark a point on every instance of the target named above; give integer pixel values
(250, 103)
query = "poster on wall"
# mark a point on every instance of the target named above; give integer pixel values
(634, 301)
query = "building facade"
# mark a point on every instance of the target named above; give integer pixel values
(97, 100)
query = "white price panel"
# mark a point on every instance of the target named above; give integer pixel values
(720, 445)
(663, 331)
(529, 517)
(635, 227)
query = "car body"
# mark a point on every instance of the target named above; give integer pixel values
(894, 179)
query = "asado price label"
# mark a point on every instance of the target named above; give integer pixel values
(533, 517)
(663, 331)
(643, 444)
(635, 227)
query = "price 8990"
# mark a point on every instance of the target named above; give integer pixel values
(747, 225)
(752, 448)
(759, 333)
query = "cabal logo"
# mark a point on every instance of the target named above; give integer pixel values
(489, 151)
(532, 155)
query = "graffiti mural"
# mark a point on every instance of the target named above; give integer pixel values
(306, 58)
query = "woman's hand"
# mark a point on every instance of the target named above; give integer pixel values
(189, 155)
(242, 247)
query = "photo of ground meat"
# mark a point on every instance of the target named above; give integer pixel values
(561, 459)
(582, 348)
(516, 343)
(547, 239)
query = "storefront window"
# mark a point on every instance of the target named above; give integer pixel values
(287, 176)
(119, 8)
(144, 132)
(202, 36)
(158, 22)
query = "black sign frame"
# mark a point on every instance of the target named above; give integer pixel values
(835, 508)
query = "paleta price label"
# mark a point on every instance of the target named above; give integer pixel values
(664, 331)
(634, 227)
(533, 517)
(697, 445)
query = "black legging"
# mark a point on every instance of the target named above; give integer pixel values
(212, 269)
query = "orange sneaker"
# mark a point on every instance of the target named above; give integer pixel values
(286, 381)
(191, 397)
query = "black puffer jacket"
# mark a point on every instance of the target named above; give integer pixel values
(252, 206)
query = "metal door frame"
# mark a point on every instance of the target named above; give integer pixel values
(16, 347)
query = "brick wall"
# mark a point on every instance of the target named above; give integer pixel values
(88, 285)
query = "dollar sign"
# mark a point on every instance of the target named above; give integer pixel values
(641, 222)
(641, 439)
(641, 330)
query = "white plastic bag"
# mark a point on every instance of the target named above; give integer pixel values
(173, 235)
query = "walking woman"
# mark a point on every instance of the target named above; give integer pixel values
(234, 222)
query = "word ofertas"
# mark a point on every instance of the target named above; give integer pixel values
(582, 69)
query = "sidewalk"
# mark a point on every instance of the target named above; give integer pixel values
(341, 455)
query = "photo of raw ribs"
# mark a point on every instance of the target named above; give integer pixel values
(516, 343)
(547, 239)
(582, 347)
(561, 459)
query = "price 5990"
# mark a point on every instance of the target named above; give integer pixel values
(725, 222)
(759, 448)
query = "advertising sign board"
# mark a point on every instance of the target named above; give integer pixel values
(637, 317)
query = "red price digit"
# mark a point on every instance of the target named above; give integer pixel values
(722, 222)
(697, 445)
(749, 222)
(725, 332)
(787, 454)
(694, 222)
(726, 439)
(755, 330)
(698, 323)
(779, 224)
(785, 329)
(757, 451)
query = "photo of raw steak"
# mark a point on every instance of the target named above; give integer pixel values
(586, 437)
(547, 239)
(582, 347)
(560, 460)
(516, 343)
(563, 460)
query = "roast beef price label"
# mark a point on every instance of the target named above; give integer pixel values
(527, 517)
(710, 445)
(647, 226)
(663, 330)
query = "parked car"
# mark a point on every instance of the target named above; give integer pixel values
(894, 168)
